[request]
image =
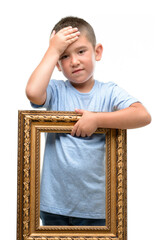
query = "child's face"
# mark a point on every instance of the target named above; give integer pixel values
(78, 61)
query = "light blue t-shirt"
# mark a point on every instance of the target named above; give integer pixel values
(73, 176)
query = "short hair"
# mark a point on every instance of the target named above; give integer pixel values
(80, 23)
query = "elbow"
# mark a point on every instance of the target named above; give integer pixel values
(142, 115)
(147, 119)
(34, 96)
(29, 93)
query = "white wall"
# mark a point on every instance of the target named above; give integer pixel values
(134, 35)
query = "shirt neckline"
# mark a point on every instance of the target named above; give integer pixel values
(80, 93)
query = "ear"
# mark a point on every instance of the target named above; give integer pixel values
(58, 66)
(98, 51)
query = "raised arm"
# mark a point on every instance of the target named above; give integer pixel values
(39, 80)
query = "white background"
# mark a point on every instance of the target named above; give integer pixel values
(134, 36)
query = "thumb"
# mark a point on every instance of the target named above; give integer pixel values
(80, 111)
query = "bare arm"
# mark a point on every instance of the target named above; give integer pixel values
(134, 116)
(38, 81)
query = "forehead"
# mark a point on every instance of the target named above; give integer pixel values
(81, 42)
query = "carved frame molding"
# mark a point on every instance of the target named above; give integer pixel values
(30, 126)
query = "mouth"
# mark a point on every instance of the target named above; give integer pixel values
(77, 71)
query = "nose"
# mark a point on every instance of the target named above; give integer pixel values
(74, 61)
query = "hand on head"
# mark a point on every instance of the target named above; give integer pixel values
(62, 39)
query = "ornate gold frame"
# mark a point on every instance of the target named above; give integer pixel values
(30, 125)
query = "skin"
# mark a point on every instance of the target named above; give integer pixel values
(75, 56)
(77, 63)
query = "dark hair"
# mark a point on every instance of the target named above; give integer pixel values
(80, 23)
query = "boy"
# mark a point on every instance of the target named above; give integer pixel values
(73, 178)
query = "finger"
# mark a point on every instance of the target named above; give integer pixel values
(65, 29)
(68, 30)
(72, 35)
(73, 132)
(72, 40)
(83, 135)
(71, 30)
(79, 132)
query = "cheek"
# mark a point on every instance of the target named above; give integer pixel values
(91, 63)
(63, 66)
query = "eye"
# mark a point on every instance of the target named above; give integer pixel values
(82, 51)
(63, 57)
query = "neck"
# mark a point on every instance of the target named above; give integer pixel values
(84, 87)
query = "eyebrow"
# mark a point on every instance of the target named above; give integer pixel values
(76, 49)
(81, 47)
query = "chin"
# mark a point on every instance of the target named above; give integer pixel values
(77, 81)
(81, 81)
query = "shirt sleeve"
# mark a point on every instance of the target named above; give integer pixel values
(120, 99)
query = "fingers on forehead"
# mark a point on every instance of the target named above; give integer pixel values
(64, 29)
(69, 29)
